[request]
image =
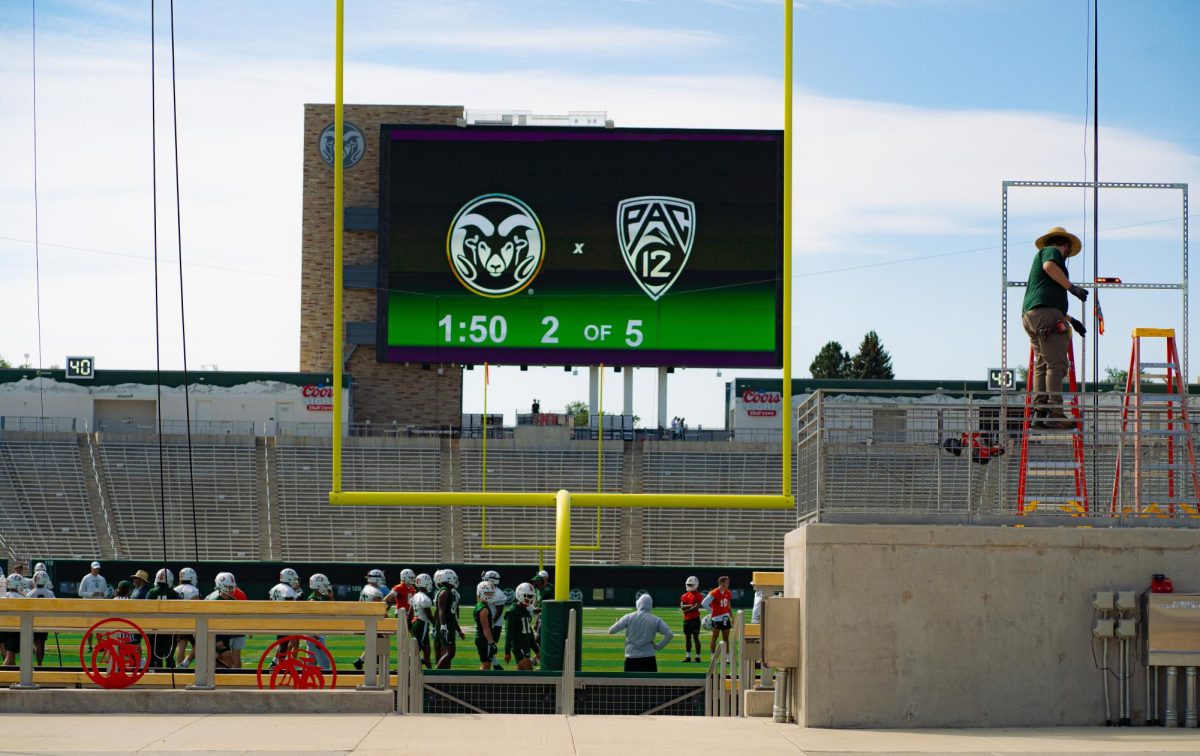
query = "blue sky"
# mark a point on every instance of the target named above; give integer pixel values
(909, 114)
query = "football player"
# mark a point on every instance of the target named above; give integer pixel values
(227, 656)
(41, 589)
(162, 646)
(421, 627)
(10, 643)
(371, 593)
(285, 590)
(719, 603)
(689, 604)
(485, 644)
(322, 590)
(445, 603)
(188, 591)
(375, 579)
(519, 638)
(402, 592)
(496, 607)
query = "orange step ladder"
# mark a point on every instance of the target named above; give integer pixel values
(1160, 426)
(1039, 473)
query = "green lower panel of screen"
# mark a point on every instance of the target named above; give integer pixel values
(741, 319)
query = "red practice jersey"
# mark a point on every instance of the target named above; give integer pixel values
(403, 591)
(694, 598)
(722, 599)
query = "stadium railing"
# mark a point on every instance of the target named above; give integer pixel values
(879, 457)
(38, 424)
(205, 620)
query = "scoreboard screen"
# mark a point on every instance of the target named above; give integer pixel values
(557, 246)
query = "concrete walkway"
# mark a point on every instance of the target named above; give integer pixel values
(537, 735)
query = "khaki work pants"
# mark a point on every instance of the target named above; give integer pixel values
(1049, 334)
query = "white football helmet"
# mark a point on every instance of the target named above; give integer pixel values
(371, 593)
(282, 592)
(16, 582)
(544, 575)
(439, 578)
(39, 567)
(188, 575)
(225, 583)
(525, 595)
(423, 583)
(491, 576)
(450, 578)
(41, 579)
(692, 583)
(706, 623)
(420, 604)
(164, 576)
(376, 578)
(288, 576)
(485, 592)
(408, 577)
(320, 584)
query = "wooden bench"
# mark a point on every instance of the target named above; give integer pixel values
(205, 620)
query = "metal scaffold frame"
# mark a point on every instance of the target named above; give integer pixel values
(1006, 284)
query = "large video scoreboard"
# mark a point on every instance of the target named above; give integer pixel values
(556, 246)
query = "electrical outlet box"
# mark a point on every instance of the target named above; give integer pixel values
(1127, 601)
(1103, 601)
(1126, 628)
(1104, 628)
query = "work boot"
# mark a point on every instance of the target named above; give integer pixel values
(1055, 420)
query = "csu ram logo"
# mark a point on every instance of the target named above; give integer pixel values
(655, 234)
(495, 245)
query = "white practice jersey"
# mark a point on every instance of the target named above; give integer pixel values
(93, 586)
(496, 607)
(188, 591)
(283, 592)
(40, 593)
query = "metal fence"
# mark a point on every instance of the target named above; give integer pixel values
(38, 424)
(870, 457)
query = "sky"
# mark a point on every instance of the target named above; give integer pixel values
(909, 115)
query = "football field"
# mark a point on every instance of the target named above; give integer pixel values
(601, 652)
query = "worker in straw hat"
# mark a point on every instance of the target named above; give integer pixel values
(1044, 315)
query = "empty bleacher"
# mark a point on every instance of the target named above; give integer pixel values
(225, 486)
(43, 500)
(707, 537)
(306, 527)
(510, 468)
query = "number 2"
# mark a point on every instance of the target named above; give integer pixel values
(662, 259)
(548, 337)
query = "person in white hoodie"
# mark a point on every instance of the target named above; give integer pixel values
(640, 628)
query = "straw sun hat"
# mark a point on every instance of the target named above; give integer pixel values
(1075, 244)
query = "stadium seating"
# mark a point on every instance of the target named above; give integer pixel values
(225, 479)
(43, 500)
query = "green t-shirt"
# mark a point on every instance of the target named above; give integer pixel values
(1042, 290)
(479, 607)
(519, 630)
(162, 592)
(547, 592)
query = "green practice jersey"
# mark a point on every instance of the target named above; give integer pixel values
(519, 630)
(437, 597)
(479, 607)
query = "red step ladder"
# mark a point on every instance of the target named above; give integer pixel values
(1160, 426)
(1038, 473)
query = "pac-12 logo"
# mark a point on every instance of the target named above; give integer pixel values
(495, 245)
(656, 236)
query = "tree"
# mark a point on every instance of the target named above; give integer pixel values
(831, 362)
(579, 410)
(872, 360)
(4, 363)
(1116, 376)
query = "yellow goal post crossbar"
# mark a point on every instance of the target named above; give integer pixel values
(563, 500)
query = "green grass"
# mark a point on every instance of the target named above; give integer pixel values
(601, 652)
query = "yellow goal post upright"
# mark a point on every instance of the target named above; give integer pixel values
(562, 501)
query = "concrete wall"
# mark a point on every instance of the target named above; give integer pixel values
(938, 626)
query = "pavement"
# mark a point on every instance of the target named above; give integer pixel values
(530, 735)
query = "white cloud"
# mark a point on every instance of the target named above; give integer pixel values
(878, 178)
